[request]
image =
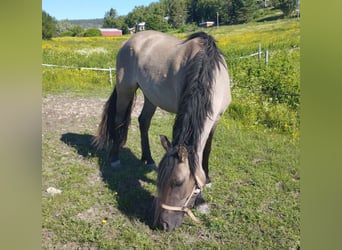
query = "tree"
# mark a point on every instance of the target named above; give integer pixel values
(224, 11)
(48, 26)
(92, 32)
(125, 29)
(207, 10)
(77, 30)
(155, 17)
(286, 6)
(204, 10)
(176, 11)
(110, 19)
(66, 28)
(137, 15)
(63, 27)
(242, 11)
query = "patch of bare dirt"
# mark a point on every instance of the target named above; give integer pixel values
(69, 114)
(64, 113)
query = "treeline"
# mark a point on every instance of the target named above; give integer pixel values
(184, 15)
(175, 14)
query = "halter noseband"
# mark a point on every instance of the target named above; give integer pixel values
(198, 187)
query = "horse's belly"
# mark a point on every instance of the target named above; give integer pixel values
(162, 96)
(164, 102)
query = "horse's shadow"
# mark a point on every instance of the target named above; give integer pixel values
(127, 182)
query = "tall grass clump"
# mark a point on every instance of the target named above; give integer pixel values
(267, 95)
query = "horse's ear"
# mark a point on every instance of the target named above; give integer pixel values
(165, 142)
(182, 153)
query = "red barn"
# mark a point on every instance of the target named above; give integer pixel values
(111, 32)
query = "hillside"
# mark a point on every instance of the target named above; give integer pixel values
(87, 23)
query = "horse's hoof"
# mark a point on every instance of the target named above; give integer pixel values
(151, 166)
(209, 185)
(203, 208)
(115, 164)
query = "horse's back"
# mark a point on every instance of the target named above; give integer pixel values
(153, 61)
(148, 49)
(157, 63)
(142, 42)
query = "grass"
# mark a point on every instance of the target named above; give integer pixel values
(76, 82)
(254, 201)
(255, 171)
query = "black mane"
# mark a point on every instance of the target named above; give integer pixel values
(196, 99)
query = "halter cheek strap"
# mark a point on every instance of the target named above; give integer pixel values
(197, 188)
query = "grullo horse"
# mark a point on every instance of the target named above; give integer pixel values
(189, 78)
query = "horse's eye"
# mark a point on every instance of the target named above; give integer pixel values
(178, 182)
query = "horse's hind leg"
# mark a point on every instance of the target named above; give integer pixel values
(144, 125)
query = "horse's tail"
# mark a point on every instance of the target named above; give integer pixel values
(105, 130)
(108, 131)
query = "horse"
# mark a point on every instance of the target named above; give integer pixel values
(186, 77)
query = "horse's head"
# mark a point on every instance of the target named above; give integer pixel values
(177, 187)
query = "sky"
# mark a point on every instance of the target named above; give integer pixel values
(89, 9)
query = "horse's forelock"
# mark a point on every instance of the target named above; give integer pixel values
(165, 170)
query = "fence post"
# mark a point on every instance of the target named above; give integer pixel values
(259, 52)
(110, 77)
(266, 57)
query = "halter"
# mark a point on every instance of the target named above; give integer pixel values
(198, 187)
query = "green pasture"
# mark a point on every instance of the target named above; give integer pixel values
(254, 165)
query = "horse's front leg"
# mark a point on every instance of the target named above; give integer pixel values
(200, 204)
(206, 154)
(144, 125)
